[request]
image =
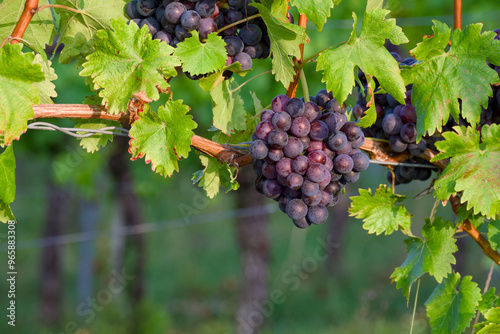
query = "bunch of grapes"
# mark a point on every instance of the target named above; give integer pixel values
(304, 155)
(397, 123)
(172, 21)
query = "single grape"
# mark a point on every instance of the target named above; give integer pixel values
(205, 8)
(174, 11)
(146, 7)
(315, 145)
(279, 103)
(305, 141)
(300, 127)
(409, 173)
(423, 174)
(337, 140)
(181, 33)
(235, 4)
(334, 121)
(313, 200)
(269, 171)
(254, 51)
(284, 167)
(317, 157)
(244, 59)
(309, 188)
(249, 10)
(277, 138)
(263, 129)
(190, 20)
(334, 106)
(293, 148)
(346, 150)
(392, 124)
(352, 131)
(343, 163)
(335, 176)
(408, 133)
(267, 115)
(164, 36)
(326, 199)
(250, 34)
(323, 97)
(295, 107)
(259, 185)
(329, 153)
(296, 209)
(282, 120)
(282, 181)
(258, 149)
(301, 223)
(316, 172)
(272, 188)
(360, 162)
(232, 16)
(300, 164)
(294, 181)
(351, 177)
(292, 193)
(329, 164)
(318, 131)
(234, 45)
(397, 144)
(325, 182)
(358, 142)
(207, 26)
(136, 21)
(408, 114)
(131, 10)
(311, 111)
(334, 188)
(317, 214)
(275, 154)
(418, 149)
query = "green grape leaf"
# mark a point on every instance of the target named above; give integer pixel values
(285, 40)
(376, 4)
(201, 58)
(494, 234)
(463, 214)
(433, 255)
(451, 310)
(340, 63)
(371, 113)
(213, 80)
(127, 61)
(380, 212)
(46, 88)
(77, 29)
(227, 107)
(488, 301)
(8, 182)
(473, 168)
(38, 33)
(17, 92)
(215, 175)
(93, 143)
(256, 103)
(278, 8)
(164, 137)
(316, 11)
(442, 77)
(240, 136)
(492, 323)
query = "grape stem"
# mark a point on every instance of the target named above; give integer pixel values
(246, 19)
(303, 82)
(244, 83)
(22, 24)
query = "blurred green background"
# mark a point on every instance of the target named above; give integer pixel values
(187, 260)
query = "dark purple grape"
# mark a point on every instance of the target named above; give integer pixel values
(407, 172)
(282, 120)
(333, 188)
(146, 7)
(352, 131)
(272, 188)
(244, 59)
(292, 193)
(258, 149)
(263, 129)
(234, 45)
(323, 97)
(277, 138)
(300, 164)
(267, 115)
(164, 36)
(418, 149)
(284, 167)
(337, 140)
(351, 177)
(325, 182)
(275, 154)
(269, 171)
(408, 133)
(423, 174)
(305, 141)
(249, 10)
(300, 127)
(317, 157)
(190, 20)
(329, 153)
(232, 16)
(181, 33)
(205, 8)
(334, 106)
(346, 150)
(279, 103)
(335, 176)
(343, 163)
(296, 209)
(360, 162)
(334, 121)
(313, 200)
(358, 111)
(235, 4)
(408, 114)
(318, 131)
(250, 34)
(136, 21)
(293, 148)
(259, 185)
(282, 181)
(153, 25)
(254, 51)
(316, 172)
(294, 181)
(283, 202)
(309, 188)
(397, 144)
(174, 11)
(392, 124)
(207, 26)
(329, 164)
(311, 111)
(301, 223)
(131, 10)
(326, 199)
(358, 142)
(317, 214)
(295, 107)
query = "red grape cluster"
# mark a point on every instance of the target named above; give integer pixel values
(172, 21)
(304, 155)
(396, 122)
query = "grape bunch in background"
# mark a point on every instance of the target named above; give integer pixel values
(173, 21)
(397, 123)
(304, 155)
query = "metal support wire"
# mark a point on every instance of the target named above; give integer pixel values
(408, 164)
(109, 130)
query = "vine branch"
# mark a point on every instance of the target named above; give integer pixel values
(457, 14)
(292, 89)
(29, 10)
